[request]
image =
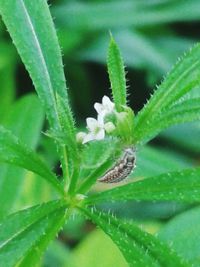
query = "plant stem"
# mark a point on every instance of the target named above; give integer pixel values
(73, 182)
(65, 167)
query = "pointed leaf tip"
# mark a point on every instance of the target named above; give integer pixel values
(116, 74)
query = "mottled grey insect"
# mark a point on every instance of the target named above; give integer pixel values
(121, 169)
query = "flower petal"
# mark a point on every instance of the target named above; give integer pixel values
(99, 108)
(100, 135)
(100, 120)
(92, 124)
(89, 137)
(107, 103)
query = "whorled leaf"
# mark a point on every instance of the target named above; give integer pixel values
(68, 146)
(32, 30)
(187, 111)
(171, 98)
(117, 75)
(25, 234)
(181, 186)
(12, 151)
(139, 248)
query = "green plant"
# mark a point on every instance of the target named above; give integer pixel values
(25, 234)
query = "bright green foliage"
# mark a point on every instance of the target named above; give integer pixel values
(170, 104)
(43, 61)
(179, 113)
(182, 235)
(181, 186)
(117, 75)
(66, 137)
(68, 128)
(139, 248)
(38, 48)
(26, 231)
(12, 151)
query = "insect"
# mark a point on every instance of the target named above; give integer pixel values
(121, 169)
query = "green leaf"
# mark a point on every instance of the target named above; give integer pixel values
(182, 186)
(69, 156)
(139, 248)
(152, 53)
(117, 75)
(24, 235)
(32, 30)
(187, 111)
(183, 235)
(96, 159)
(24, 119)
(169, 98)
(12, 151)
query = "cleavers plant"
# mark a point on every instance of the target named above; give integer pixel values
(24, 235)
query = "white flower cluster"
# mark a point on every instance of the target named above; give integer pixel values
(98, 127)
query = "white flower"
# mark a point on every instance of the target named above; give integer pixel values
(106, 107)
(96, 129)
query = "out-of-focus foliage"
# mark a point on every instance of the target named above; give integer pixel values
(142, 30)
(181, 234)
(88, 255)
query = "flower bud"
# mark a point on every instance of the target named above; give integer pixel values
(125, 124)
(80, 137)
(109, 127)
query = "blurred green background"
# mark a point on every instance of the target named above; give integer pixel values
(152, 35)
